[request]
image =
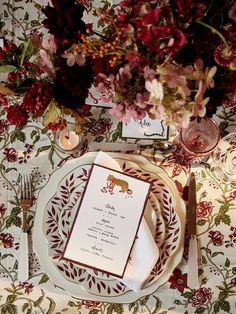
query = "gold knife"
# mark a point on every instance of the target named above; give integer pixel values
(192, 280)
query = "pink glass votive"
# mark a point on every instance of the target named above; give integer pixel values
(201, 136)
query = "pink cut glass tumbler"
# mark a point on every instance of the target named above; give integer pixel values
(201, 136)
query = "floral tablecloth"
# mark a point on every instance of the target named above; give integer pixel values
(32, 150)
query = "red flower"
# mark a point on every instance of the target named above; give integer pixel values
(201, 297)
(217, 237)
(38, 97)
(6, 239)
(178, 280)
(204, 209)
(11, 154)
(17, 115)
(91, 304)
(28, 287)
(102, 126)
(2, 210)
(4, 125)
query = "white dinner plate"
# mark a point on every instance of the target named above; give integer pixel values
(55, 211)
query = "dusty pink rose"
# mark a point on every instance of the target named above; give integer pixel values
(217, 237)
(201, 297)
(204, 209)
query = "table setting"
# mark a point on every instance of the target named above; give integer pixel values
(117, 159)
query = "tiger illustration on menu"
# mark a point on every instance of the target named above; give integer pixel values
(112, 182)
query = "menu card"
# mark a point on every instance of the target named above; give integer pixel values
(107, 221)
(145, 128)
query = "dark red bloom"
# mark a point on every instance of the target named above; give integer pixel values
(101, 127)
(6, 240)
(217, 237)
(64, 20)
(178, 280)
(225, 56)
(38, 97)
(204, 209)
(17, 115)
(10, 153)
(201, 297)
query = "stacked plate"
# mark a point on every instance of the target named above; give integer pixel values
(57, 204)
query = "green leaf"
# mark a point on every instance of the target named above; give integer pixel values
(35, 23)
(98, 139)
(200, 310)
(131, 305)
(94, 311)
(217, 253)
(11, 298)
(2, 167)
(10, 169)
(16, 211)
(227, 262)
(13, 220)
(225, 306)
(43, 279)
(7, 68)
(158, 305)
(187, 294)
(199, 186)
(25, 307)
(50, 155)
(39, 301)
(234, 270)
(203, 174)
(9, 309)
(33, 133)
(42, 149)
(115, 308)
(52, 306)
(144, 300)
(201, 222)
(223, 295)
(17, 135)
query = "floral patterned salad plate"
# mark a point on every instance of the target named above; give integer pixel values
(56, 208)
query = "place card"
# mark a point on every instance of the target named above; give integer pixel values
(95, 99)
(145, 128)
(107, 221)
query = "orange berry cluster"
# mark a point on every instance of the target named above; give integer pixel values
(99, 47)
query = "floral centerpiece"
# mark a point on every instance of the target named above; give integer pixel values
(172, 60)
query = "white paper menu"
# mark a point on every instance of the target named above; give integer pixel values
(107, 221)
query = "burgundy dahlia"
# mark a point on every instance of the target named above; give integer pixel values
(38, 97)
(17, 115)
(64, 20)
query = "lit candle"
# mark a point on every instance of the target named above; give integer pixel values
(69, 140)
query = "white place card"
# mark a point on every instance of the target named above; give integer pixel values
(145, 128)
(107, 221)
(95, 99)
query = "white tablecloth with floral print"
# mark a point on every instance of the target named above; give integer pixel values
(32, 150)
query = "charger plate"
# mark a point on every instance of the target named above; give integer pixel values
(56, 208)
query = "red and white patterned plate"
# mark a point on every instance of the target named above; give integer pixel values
(56, 207)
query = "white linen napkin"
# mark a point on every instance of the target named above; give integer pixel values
(145, 252)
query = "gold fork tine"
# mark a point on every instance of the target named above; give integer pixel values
(25, 199)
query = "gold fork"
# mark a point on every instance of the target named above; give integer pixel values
(26, 201)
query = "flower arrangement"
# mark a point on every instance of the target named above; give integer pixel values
(172, 60)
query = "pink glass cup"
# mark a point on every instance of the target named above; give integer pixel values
(201, 136)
